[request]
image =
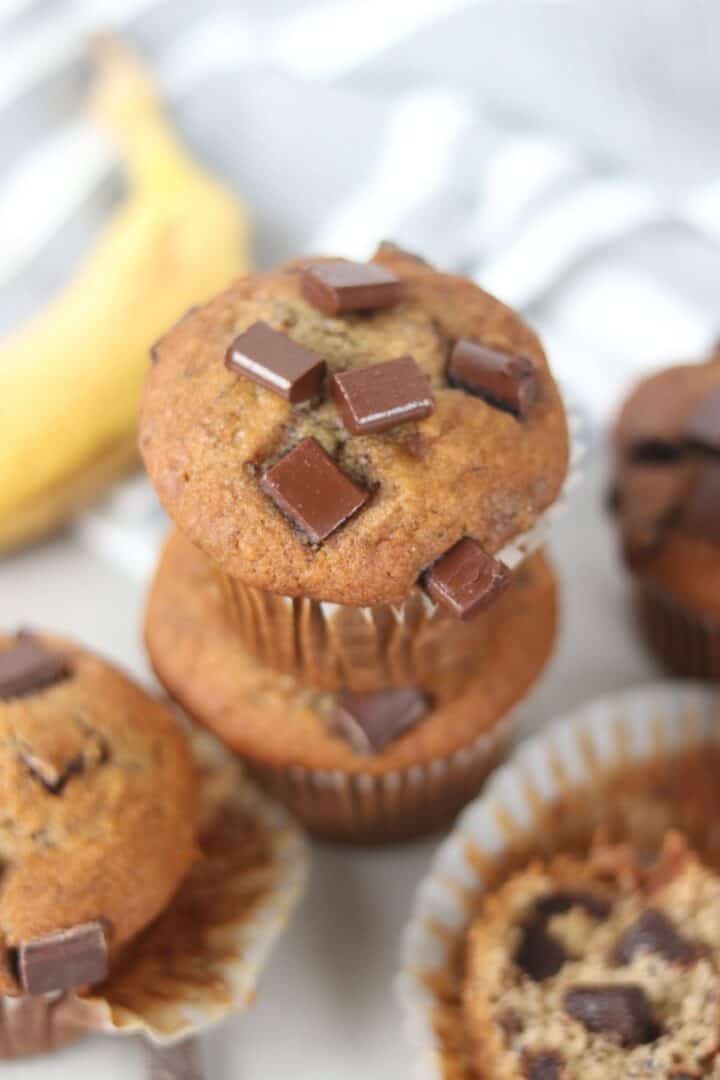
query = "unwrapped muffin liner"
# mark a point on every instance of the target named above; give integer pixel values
(331, 646)
(635, 764)
(200, 960)
(687, 643)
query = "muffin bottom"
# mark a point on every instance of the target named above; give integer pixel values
(283, 730)
(686, 643)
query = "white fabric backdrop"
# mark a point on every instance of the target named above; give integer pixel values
(565, 153)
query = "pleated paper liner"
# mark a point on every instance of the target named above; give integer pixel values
(200, 960)
(332, 646)
(686, 643)
(637, 764)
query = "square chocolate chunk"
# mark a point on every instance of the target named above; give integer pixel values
(466, 580)
(276, 362)
(338, 286)
(369, 722)
(308, 486)
(27, 666)
(503, 380)
(64, 960)
(378, 397)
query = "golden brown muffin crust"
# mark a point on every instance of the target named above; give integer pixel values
(468, 469)
(115, 840)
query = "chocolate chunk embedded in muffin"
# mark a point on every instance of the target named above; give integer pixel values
(432, 459)
(625, 976)
(98, 826)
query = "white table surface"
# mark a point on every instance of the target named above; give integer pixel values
(326, 1009)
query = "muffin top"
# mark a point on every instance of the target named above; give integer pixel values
(98, 793)
(667, 481)
(332, 429)
(598, 969)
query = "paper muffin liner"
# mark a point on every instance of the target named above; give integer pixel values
(637, 763)
(333, 646)
(201, 959)
(686, 643)
(364, 808)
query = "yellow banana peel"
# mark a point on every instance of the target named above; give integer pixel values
(70, 380)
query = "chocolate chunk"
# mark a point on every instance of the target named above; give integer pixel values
(52, 778)
(558, 903)
(370, 722)
(465, 579)
(178, 1062)
(655, 452)
(539, 954)
(650, 501)
(506, 381)
(378, 397)
(339, 285)
(544, 1065)
(702, 427)
(64, 960)
(621, 1012)
(308, 486)
(654, 933)
(276, 362)
(27, 666)
(387, 247)
(700, 515)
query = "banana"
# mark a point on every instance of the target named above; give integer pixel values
(70, 380)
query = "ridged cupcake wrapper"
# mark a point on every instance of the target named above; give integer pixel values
(685, 642)
(200, 960)
(637, 764)
(331, 646)
(377, 809)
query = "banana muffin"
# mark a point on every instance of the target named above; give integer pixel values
(98, 825)
(666, 497)
(371, 766)
(336, 431)
(605, 968)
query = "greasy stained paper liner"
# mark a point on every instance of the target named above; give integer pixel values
(333, 646)
(201, 959)
(685, 642)
(362, 808)
(637, 764)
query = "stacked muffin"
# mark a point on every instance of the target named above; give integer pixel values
(347, 449)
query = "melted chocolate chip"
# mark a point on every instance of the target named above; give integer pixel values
(620, 1012)
(655, 452)
(654, 933)
(543, 1065)
(539, 954)
(564, 900)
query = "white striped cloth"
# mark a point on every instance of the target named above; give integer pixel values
(563, 152)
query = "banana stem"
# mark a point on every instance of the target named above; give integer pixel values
(125, 103)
